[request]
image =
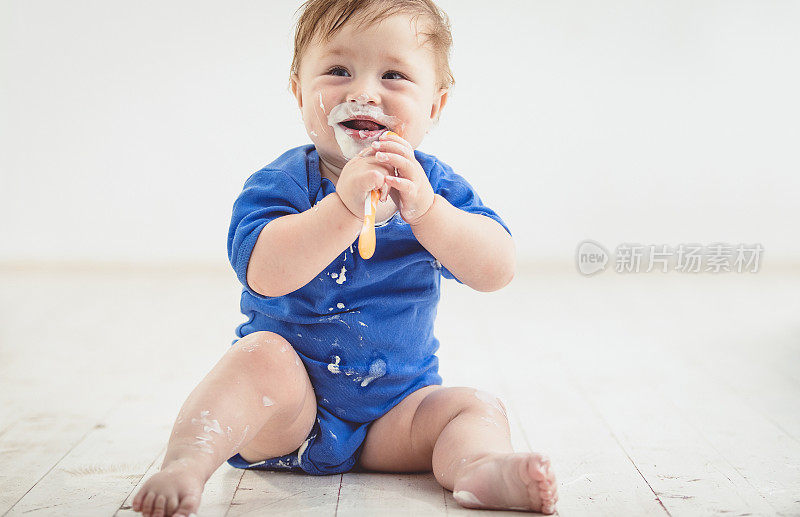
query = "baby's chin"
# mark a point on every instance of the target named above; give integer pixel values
(350, 143)
(339, 155)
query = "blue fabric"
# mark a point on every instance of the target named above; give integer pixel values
(363, 328)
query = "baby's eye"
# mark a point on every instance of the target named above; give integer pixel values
(398, 74)
(336, 69)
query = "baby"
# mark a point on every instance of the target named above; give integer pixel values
(336, 365)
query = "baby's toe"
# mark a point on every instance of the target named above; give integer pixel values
(537, 469)
(188, 506)
(549, 500)
(147, 504)
(172, 504)
(542, 487)
(136, 506)
(159, 506)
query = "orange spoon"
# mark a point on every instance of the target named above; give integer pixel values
(366, 239)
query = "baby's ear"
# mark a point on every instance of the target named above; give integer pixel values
(296, 90)
(439, 101)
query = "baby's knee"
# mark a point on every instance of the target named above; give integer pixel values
(488, 400)
(454, 401)
(268, 357)
(266, 350)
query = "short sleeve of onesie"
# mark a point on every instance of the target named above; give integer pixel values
(267, 195)
(459, 193)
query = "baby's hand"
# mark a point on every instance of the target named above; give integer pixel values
(359, 176)
(416, 193)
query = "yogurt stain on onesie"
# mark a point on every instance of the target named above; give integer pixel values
(376, 369)
(302, 448)
(340, 278)
(333, 367)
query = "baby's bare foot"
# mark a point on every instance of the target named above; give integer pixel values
(174, 491)
(521, 481)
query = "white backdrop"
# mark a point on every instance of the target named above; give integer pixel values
(128, 128)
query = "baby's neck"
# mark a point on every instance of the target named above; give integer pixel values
(329, 171)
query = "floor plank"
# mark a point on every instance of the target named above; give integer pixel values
(30, 447)
(685, 471)
(285, 493)
(365, 494)
(99, 473)
(742, 435)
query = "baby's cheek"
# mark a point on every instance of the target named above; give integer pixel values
(320, 103)
(315, 123)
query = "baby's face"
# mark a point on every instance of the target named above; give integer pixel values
(380, 74)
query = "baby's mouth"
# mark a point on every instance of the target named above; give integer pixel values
(363, 125)
(362, 128)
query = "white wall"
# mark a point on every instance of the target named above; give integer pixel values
(128, 128)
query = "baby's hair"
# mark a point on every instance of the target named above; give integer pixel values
(324, 18)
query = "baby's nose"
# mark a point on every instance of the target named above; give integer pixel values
(363, 98)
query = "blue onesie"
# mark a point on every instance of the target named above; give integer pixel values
(363, 328)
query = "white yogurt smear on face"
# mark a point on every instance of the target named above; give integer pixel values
(347, 110)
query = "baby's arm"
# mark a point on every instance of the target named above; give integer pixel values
(291, 250)
(475, 248)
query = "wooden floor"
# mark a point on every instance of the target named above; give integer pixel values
(662, 394)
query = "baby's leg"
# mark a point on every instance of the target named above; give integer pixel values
(463, 434)
(257, 401)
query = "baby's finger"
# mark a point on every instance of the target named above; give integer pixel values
(390, 146)
(401, 184)
(367, 151)
(392, 136)
(384, 191)
(380, 180)
(372, 181)
(401, 163)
